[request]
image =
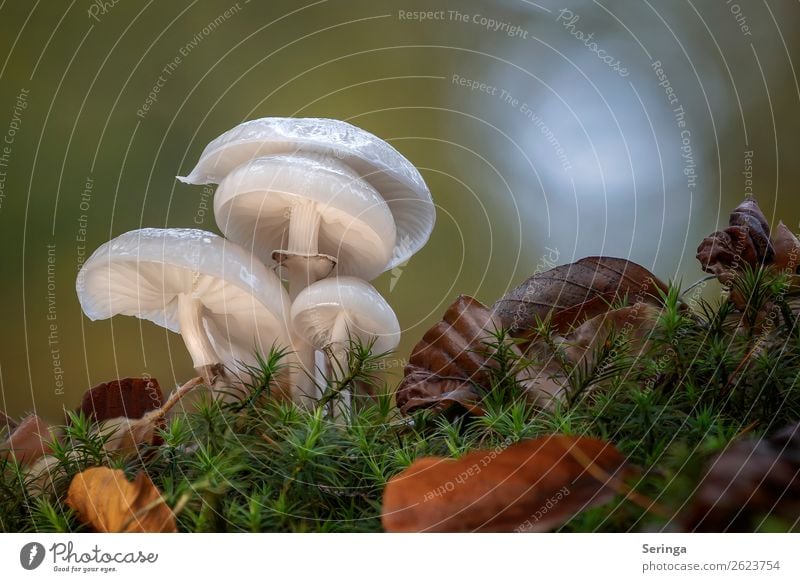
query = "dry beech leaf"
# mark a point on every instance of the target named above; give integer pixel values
(749, 217)
(534, 485)
(450, 360)
(109, 503)
(40, 475)
(575, 292)
(29, 441)
(751, 479)
(787, 250)
(545, 384)
(745, 241)
(126, 435)
(7, 424)
(128, 397)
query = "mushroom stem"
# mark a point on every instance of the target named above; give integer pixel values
(305, 388)
(301, 259)
(190, 317)
(338, 362)
(304, 228)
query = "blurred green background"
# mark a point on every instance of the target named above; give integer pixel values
(543, 137)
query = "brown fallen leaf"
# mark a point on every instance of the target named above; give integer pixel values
(546, 382)
(29, 441)
(7, 424)
(751, 219)
(575, 292)
(127, 397)
(104, 499)
(41, 475)
(749, 481)
(787, 250)
(534, 485)
(746, 241)
(450, 361)
(126, 435)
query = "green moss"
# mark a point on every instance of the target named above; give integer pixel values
(265, 465)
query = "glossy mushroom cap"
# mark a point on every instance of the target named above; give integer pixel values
(383, 167)
(253, 206)
(328, 311)
(144, 272)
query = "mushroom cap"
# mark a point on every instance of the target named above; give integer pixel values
(253, 204)
(142, 272)
(387, 170)
(368, 315)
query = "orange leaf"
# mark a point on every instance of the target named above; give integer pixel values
(107, 501)
(534, 485)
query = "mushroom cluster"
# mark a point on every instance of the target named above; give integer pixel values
(316, 203)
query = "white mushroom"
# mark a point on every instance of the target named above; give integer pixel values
(309, 213)
(387, 171)
(222, 301)
(329, 313)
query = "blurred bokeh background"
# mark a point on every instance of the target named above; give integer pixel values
(546, 132)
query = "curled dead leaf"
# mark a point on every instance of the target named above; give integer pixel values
(29, 440)
(750, 480)
(546, 382)
(126, 435)
(450, 361)
(127, 397)
(534, 485)
(746, 241)
(7, 424)
(575, 292)
(749, 217)
(104, 499)
(41, 475)
(787, 250)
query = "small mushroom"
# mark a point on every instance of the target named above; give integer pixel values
(335, 145)
(309, 213)
(223, 302)
(331, 312)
